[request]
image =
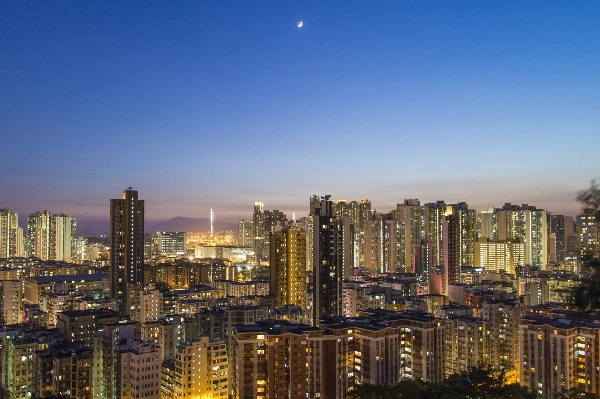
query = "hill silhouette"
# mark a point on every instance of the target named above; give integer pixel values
(191, 225)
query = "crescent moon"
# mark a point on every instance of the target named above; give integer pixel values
(300, 24)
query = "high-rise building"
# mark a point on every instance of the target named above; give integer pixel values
(151, 305)
(279, 360)
(499, 256)
(357, 211)
(459, 236)
(10, 301)
(288, 267)
(138, 370)
(421, 259)
(434, 222)
(17, 364)
(5, 222)
(421, 346)
(558, 354)
(355, 214)
(244, 234)
(263, 223)
(412, 215)
(587, 233)
(364, 213)
(529, 225)
(82, 250)
(273, 219)
(126, 248)
(556, 226)
(169, 243)
(376, 349)
(11, 235)
(466, 343)
(111, 340)
(62, 369)
(258, 229)
(488, 224)
(331, 256)
(384, 244)
(343, 208)
(502, 319)
(71, 373)
(37, 242)
(570, 238)
(63, 230)
(50, 237)
(201, 369)
(81, 325)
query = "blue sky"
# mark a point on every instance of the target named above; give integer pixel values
(203, 105)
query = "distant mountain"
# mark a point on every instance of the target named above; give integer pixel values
(191, 225)
(92, 228)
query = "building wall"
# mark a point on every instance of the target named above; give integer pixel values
(502, 322)
(465, 344)
(126, 247)
(288, 267)
(557, 355)
(139, 370)
(10, 302)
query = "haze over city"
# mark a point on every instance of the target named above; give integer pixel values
(202, 105)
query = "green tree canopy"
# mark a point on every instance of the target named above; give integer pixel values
(587, 295)
(590, 198)
(483, 382)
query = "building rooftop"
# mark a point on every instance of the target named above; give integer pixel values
(275, 327)
(90, 312)
(70, 277)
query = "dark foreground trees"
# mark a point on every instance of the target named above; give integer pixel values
(481, 382)
(590, 198)
(587, 295)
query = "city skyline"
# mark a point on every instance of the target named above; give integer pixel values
(219, 105)
(100, 224)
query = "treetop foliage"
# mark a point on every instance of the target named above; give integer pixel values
(481, 382)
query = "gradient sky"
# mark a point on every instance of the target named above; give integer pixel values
(217, 104)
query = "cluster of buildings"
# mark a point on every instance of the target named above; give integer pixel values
(298, 308)
(47, 237)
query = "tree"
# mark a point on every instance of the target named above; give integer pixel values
(587, 295)
(370, 391)
(590, 198)
(576, 393)
(482, 382)
(48, 395)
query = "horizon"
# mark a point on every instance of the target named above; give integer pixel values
(95, 224)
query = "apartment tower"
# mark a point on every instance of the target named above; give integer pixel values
(126, 248)
(330, 259)
(288, 267)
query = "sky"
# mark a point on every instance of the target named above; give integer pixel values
(218, 104)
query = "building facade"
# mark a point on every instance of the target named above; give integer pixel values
(331, 257)
(288, 267)
(126, 248)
